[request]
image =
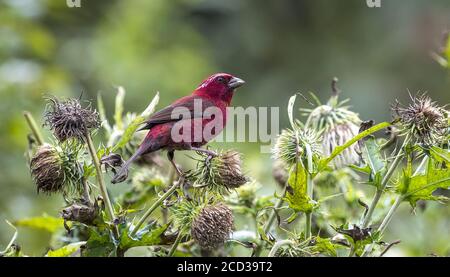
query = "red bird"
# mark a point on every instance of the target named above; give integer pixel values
(214, 94)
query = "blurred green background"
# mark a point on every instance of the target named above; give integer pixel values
(278, 47)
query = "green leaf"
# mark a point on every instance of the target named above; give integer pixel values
(325, 247)
(102, 114)
(421, 187)
(134, 125)
(440, 155)
(296, 195)
(99, 244)
(152, 234)
(45, 222)
(65, 251)
(339, 149)
(372, 156)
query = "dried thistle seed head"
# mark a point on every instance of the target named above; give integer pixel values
(423, 120)
(56, 169)
(82, 213)
(212, 226)
(280, 172)
(47, 169)
(183, 214)
(69, 120)
(221, 172)
(338, 125)
(291, 145)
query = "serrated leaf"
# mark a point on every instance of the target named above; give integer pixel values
(421, 187)
(46, 223)
(99, 244)
(297, 196)
(152, 234)
(325, 247)
(66, 250)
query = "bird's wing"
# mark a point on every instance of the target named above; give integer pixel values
(177, 111)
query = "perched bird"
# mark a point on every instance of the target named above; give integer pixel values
(205, 107)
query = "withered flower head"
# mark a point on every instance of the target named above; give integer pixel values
(423, 120)
(79, 212)
(53, 170)
(68, 119)
(212, 226)
(47, 169)
(223, 171)
(291, 145)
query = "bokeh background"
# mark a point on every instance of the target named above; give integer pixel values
(278, 47)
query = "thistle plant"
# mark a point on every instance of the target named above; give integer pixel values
(326, 169)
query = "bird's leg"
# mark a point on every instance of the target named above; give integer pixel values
(170, 156)
(211, 154)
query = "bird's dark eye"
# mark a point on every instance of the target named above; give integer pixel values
(221, 80)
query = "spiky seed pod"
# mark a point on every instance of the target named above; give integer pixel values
(212, 226)
(56, 170)
(221, 172)
(47, 170)
(424, 120)
(69, 120)
(291, 145)
(280, 172)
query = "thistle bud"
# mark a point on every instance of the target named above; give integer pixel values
(291, 145)
(55, 171)
(69, 120)
(423, 120)
(223, 171)
(212, 226)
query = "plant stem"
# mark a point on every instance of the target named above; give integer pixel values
(273, 215)
(310, 190)
(175, 245)
(34, 128)
(101, 182)
(156, 205)
(390, 214)
(278, 245)
(383, 184)
(385, 222)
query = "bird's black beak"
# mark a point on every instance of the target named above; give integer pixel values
(235, 83)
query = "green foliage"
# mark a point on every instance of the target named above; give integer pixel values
(296, 194)
(99, 244)
(150, 235)
(422, 186)
(65, 251)
(47, 223)
(375, 163)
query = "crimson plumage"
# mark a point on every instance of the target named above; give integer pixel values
(214, 94)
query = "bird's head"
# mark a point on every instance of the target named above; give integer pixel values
(220, 85)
